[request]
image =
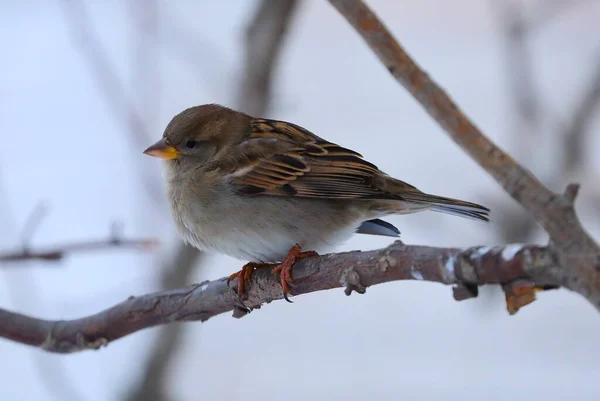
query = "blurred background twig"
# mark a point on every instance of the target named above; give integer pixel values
(113, 90)
(537, 128)
(178, 269)
(265, 37)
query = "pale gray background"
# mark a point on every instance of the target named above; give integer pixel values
(62, 143)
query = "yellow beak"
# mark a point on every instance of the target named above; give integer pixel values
(163, 151)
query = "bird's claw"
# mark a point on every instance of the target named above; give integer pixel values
(243, 275)
(284, 269)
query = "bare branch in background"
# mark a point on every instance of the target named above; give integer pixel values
(577, 130)
(515, 224)
(99, 63)
(576, 252)
(185, 45)
(153, 384)
(22, 290)
(58, 252)
(177, 270)
(550, 9)
(110, 85)
(577, 162)
(265, 37)
(32, 223)
(520, 71)
(145, 63)
(522, 268)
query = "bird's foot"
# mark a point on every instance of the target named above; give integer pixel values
(243, 276)
(284, 269)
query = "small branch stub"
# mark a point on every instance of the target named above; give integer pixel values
(518, 294)
(464, 291)
(351, 280)
(571, 192)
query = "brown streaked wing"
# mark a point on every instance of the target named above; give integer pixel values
(301, 164)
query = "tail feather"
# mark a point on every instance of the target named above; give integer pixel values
(450, 206)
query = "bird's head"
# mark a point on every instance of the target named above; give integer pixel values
(198, 134)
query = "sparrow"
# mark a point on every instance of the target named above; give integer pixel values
(269, 191)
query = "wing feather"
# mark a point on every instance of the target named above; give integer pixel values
(294, 162)
(283, 159)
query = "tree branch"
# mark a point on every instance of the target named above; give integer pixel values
(354, 270)
(109, 83)
(61, 251)
(520, 70)
(58, 252)
(265, 37)
(176, 272)
(578, 255)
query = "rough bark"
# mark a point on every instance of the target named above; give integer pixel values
(528, 266)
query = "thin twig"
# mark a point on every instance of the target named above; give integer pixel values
(32, 223)
(578, 128)
(22, 290)
(265, 37)
(531, 266)
(180, 42)
(59, 252)
(514, 223)
(110, 85)
(99, 63)
(145, 63)
(550, 9)
(520, 71)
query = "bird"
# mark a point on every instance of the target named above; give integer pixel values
(271, 192)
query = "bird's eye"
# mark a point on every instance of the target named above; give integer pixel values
(190, 144)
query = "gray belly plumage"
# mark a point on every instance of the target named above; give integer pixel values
(264, 228)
